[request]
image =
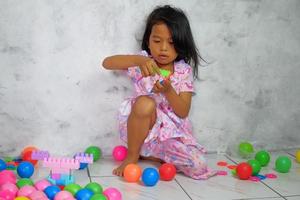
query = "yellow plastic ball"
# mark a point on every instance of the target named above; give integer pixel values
(298, 156)
(21, 198)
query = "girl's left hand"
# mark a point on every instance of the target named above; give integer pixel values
(163, 87)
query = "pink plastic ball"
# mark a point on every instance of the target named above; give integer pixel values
(26, 190)
(6, 195)
(7, 176)
(10, 187)
(38, 195)
(63, 195)
(112, 194)
(42, 184)
(119, 153)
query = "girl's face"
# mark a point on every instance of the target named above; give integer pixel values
(161, 46)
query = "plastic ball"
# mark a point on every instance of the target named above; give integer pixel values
(283, 164)
(21, 198)
(10, 187)
(24, 181)
(42, 184)
(27, 157)
(120, 153)
(94, 187)
(73, 188)
(95, 151)
(26, 190)
(150, 176)
(167, 172)
(25, 169)
(243, 170)
(132, 173)
(263, 157)
(98, 197)
(7, 176)
(84, 194)
(245, 149)
(256, 167)
(298, 156)
(28, 149)
(51, 191)
(63, 195)
(6, 195)
(38, 195)
(2, 165)
(113, 194)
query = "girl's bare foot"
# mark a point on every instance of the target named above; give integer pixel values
(129, 159)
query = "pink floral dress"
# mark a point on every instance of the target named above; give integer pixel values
(171, 137)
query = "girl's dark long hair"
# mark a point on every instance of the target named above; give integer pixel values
(180, 29)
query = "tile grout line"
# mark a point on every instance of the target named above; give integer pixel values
(260, 180)
(183, 189)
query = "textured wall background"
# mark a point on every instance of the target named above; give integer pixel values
(55, 95)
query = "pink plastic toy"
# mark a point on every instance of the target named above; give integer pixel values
(119, 153)
(26, 190)
(42, 184)
(39, 155)
(113, 194)
(6, 195)
(64, 195)
(38, 195)
(7, 176)
(10, 187)
(84, 158)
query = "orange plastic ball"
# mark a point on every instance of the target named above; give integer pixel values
(132, 173)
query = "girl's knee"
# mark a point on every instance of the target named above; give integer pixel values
(144, 106)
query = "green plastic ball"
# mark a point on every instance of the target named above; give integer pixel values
(96, 151)
(94, 187)
(256, 167)
(283, 164)
(73, 188)
(24, 181)
(245, 149)
(263, 157)
(98, 197)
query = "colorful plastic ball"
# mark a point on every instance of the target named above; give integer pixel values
(167, 171)
(95, 151)
(119, 153)
(38, 195)
(25, 169)
(10, 187)
(73, 188)
(2, 165)
(243, 170)
(21, 198)
(24, 181)
(63, 195)
(51, 191)
(84, 194)
(7, 176)
(96, 188)
(6, 195)
(132, 173)
(256, 167)
(27, 157)
(26, 190)
(42, 184)
(113, 194)
(28, 149)
(245, 149)
(263, 157)
(150, 176)
(283, 164)
(98, 197)
(298, 156)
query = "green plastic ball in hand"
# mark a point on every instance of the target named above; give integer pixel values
(245, 149)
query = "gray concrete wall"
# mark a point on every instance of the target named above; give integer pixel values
(54, 95)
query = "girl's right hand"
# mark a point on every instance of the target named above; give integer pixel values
(149, 68)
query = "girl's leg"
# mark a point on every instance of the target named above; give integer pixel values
(140, 121)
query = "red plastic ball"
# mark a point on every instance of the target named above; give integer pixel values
(27, 157)
(244, 170)
(167, 172)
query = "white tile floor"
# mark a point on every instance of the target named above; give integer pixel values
(285, 186)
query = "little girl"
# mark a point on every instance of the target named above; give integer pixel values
(154, 120)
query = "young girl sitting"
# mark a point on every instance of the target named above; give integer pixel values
(154, 121)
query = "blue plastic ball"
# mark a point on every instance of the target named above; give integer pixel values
(51, 191)
(84, 194)
(2, 165)
(150, 176)
(25, 169)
